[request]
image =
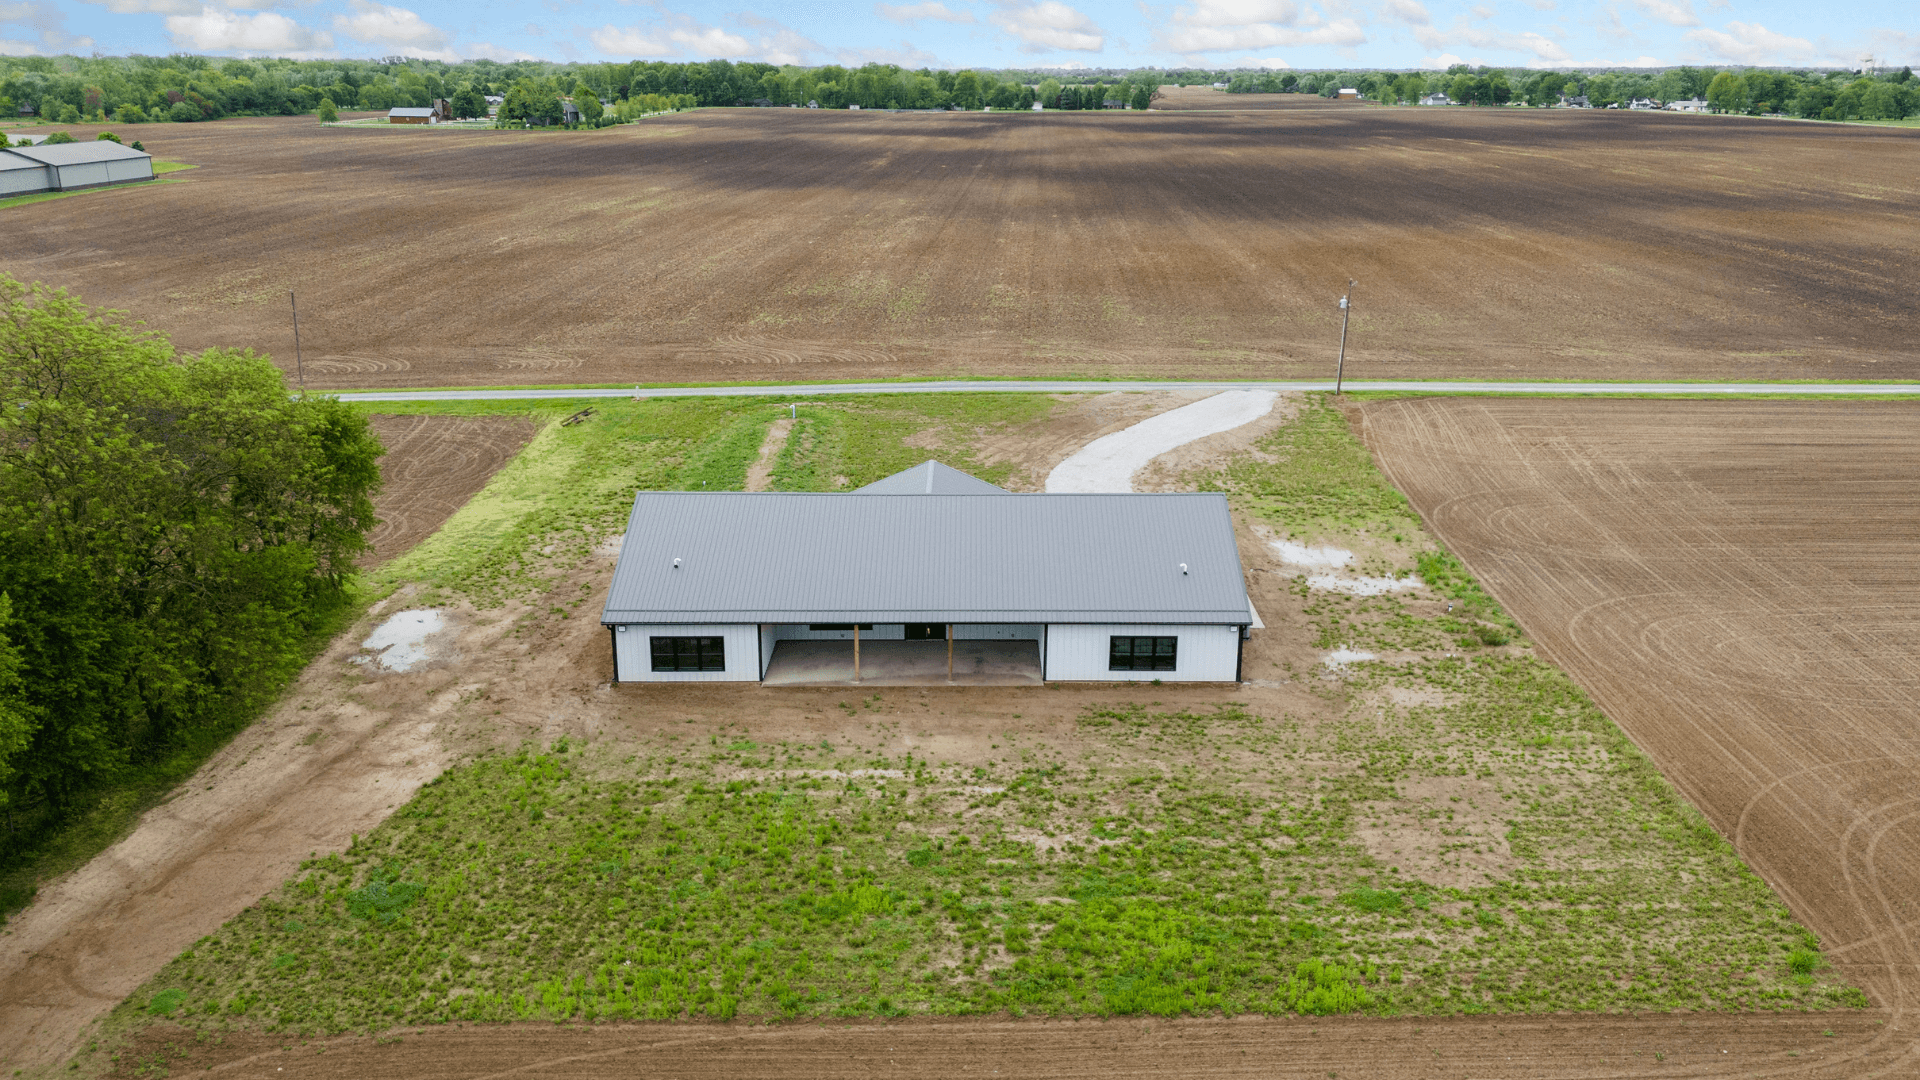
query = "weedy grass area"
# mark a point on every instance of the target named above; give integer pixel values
(1458, 830)
(573, 485)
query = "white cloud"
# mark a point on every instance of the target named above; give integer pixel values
(394, 28)
(630, 41)
(44, 19)
(1637, 62)
(482, 50)
(1220, 25)
(214, 30)
(1270, 63)
(1481, 11)
(1411, 12)
(913, 13)
(1441, 62)
(1753, 44)
(683, 37)
(179, 7)
(1544, 49)
(906, 56)
(1049, 26)
(1671, 12)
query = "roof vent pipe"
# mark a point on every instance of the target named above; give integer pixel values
(1183, 566)
(676, 565)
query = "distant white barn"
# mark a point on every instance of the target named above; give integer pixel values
(927, 576)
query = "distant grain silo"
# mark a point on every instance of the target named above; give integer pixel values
(25, 170)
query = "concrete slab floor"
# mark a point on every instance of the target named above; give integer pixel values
(905, 663)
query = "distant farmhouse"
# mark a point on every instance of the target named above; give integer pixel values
(928, 576)
(440, 112)
(1688, 105)
(1436, 99)
(1347, 93)
(29, 170)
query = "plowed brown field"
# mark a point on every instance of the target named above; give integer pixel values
(433, 465)
(780, 244)
(1521, 1048)
(1738, 586)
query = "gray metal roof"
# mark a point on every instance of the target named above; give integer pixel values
(774, 557)
(78, 153)
(930, 478)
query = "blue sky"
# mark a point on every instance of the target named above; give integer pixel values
(993, 33)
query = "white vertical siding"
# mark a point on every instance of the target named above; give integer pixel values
(1078, 651)
(25, 181)
(83, 174)
(120, 170)
(634, 656)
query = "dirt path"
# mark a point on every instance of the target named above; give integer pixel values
(1738, 586)
(1524, 1048)
(760, 473)
(1108, 463)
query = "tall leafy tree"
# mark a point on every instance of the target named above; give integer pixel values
(171, 526)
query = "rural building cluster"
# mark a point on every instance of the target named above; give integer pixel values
(927, 576)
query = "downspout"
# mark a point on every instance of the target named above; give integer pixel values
(1239, 652)
(614, 640)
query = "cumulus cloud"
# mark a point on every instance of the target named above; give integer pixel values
(1671, 12)
(1049, 26)
(1221, 25)
(485, 50)
(1411, 12)
(397, 29)
(1270, 63)
(928, 12)
(180, 7)
(1753, 44)
(47, 22)
(683, 37)
(215, 30)
(907, 55)
(1544, 49)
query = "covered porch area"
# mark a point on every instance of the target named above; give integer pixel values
(884, 662)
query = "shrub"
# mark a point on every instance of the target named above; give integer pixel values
(329, 112)
(130, 114)
(184, 113)
(137, 146)
(106, 136)
(59, 137)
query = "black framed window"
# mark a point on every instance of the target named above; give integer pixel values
(1142, 653)
(689, 653)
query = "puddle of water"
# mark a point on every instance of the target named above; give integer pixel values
(401, 642)
(1311, 557)
(1362, 586)
(1343, 656)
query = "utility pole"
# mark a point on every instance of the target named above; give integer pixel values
(1346, 313)
(299, 366)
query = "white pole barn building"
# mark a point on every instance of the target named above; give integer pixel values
(929, 576)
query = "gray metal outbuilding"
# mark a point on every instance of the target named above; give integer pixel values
(70, 166)
(738, 586)
(22, 175)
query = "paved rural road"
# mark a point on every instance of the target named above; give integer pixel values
(1065, 387)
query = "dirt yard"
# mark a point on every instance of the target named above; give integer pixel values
(1522, 1048)
(1738, 586)
(434, 464)
(800, 244)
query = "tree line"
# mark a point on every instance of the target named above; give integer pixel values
(1829, 95)
(185, 88)
(175, 530)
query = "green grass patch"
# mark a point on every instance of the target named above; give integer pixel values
(572, 486)
(45, 196)
(1459, 832)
